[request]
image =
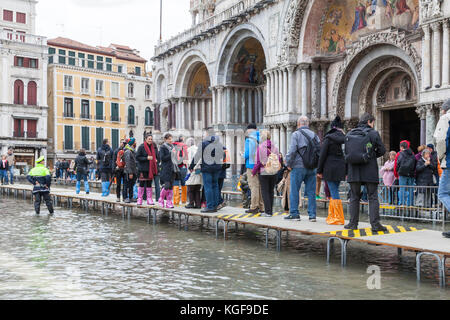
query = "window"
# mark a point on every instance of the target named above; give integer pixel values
(114, 138)
(85, 139)
(31, 129)
(99, 63)
(81, 58)
(90, 61)
(99, 137)
(68, 83)
(19, 61)
(34, 63)
(138, 71)
(51, 52)
(99, 111)
(85, 85)
(68, 138)
(147, 92)
(99, 87)
(148, 117)
(9, 34)
(7, 15)
(62, 56)
(71, 58)
(21, 17)
(115, 112)
(115, 89)
(26, 62)
(120, 69)
(68, 108)
(85, 112)
(32, 94)
(130, 90)
(131, 116)
(20, 36)
(19, 128)
(18, 92)
(108, 64)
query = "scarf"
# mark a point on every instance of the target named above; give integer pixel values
(152, 167)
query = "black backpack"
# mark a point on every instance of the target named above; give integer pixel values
(358, 146)
(105, 158)
(311, 153)
(407, 165)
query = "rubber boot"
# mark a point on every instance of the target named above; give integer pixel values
(162, 195)
(183, 194)
(150, 197)
(140, 196)
(107, 189)
(169, 197)
(176, 195)
(104, 189)
(78, 187)
(340, 217)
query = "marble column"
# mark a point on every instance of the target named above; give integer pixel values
(422, 113)
(214, 108)
(324, 91)
(290, 131)
(196, 111)
(169, 116)
(426, 55)
(244, 106)
(229, 106)
(315, 92)
(220, 105)
(291, 84)
(268, 97)
(277, 93)
(276, 139)
(236, 105)
(239, 148)
(229, 146)
(304, 91)
(283, 140)
(446, 54)
(280, 91)
(430, 124)
(261, 105)
(250, 105)
(184, 113)
(298, 91)
(437, 31)
(272, 93)
(286, 103)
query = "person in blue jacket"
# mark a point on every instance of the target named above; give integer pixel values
(41, 178)
(251, 145)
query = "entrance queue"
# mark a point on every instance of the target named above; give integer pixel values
(181, 172)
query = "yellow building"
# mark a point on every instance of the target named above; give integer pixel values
(88, 96)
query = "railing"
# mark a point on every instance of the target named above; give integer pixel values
(22, 37)
(86, 116)
(209, 23)
(85, 91)
(19, 134)
(131, 121)
(32, 134)
(69, 115)
(100, 93)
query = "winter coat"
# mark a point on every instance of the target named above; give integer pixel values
(332, 160)
(388, 173)
(262, 155)
(424, 173)
(4, 165)
(368, 172)
(130, 161)
(251, 145)
(211, 154)
(92, 164)
(41, 178)
(82, 164)
(167, 173)
(142, 160)
(401, 161)
(298, 143)
(196, 176)
(440, 135)
(108, 166)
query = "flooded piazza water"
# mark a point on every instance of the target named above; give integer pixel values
(74, 255)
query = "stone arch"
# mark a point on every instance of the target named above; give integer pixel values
(228, 51)
(361, 57)
(189, 63)
(160, 88)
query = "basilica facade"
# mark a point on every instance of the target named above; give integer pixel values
(270, 61)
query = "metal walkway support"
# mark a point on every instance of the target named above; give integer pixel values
(344, 244)
(278, 237)
(441, 266)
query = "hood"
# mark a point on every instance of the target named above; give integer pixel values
(82, 154)
(409, 152)
(106, 147)
(336, 136)
(211, 139)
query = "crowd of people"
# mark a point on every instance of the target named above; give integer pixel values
(183, 172)
(7, 165)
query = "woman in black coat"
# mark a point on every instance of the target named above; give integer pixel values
(167, 175)
(425, 172)
(147, 158)
(332, 169)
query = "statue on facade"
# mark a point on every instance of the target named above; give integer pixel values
(430, 9)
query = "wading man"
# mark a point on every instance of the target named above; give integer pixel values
(41, 178)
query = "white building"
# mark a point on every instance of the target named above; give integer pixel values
(23, 86)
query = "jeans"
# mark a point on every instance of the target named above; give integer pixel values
(211, 186)
(3, 176)
(11, 174)
(406, 194)
(83, 177)
(444, 189)
(298, 176)
(221, 182)
(91, 174)
(129, 186)
(183, 174)
(333, 186)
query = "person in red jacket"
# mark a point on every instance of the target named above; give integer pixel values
(397, 176)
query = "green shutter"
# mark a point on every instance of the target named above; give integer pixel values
(85, 138)
(99, 137)
(114, 112)
(51, 50)
(81, 55)
(108, 60)
(99, 110)
(138, 71)
(119, 69)
(115, 138)
(99, 58)
(68, 138)
(99, 66)
(108, 67)
(90, 61)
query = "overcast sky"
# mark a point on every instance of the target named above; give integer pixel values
(100, 22)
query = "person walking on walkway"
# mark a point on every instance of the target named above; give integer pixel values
(211, 155)
(194, 183)
(362, 149)
(388, 177)
(4, 166)
(12, 164)
(41, 178)
(223, 175)
(304, 144)
(147, 158)
(92, 166)
(105, 164)
(119, 164)
(130, 170)
(442, 137)
(332, 169)
(182, 160)
(268, 164)
(81, 168)
(405, 170)
(251, 145)
(168, 171)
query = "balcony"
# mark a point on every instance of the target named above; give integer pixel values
(99, 93)
(23, 38)
(19, 134)
(25, 134)
(68, 115)
(210, 23)
(85, 91)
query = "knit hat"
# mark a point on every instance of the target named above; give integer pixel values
(446, 105)
(131, 141)
(431, 146)
(337, 123)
